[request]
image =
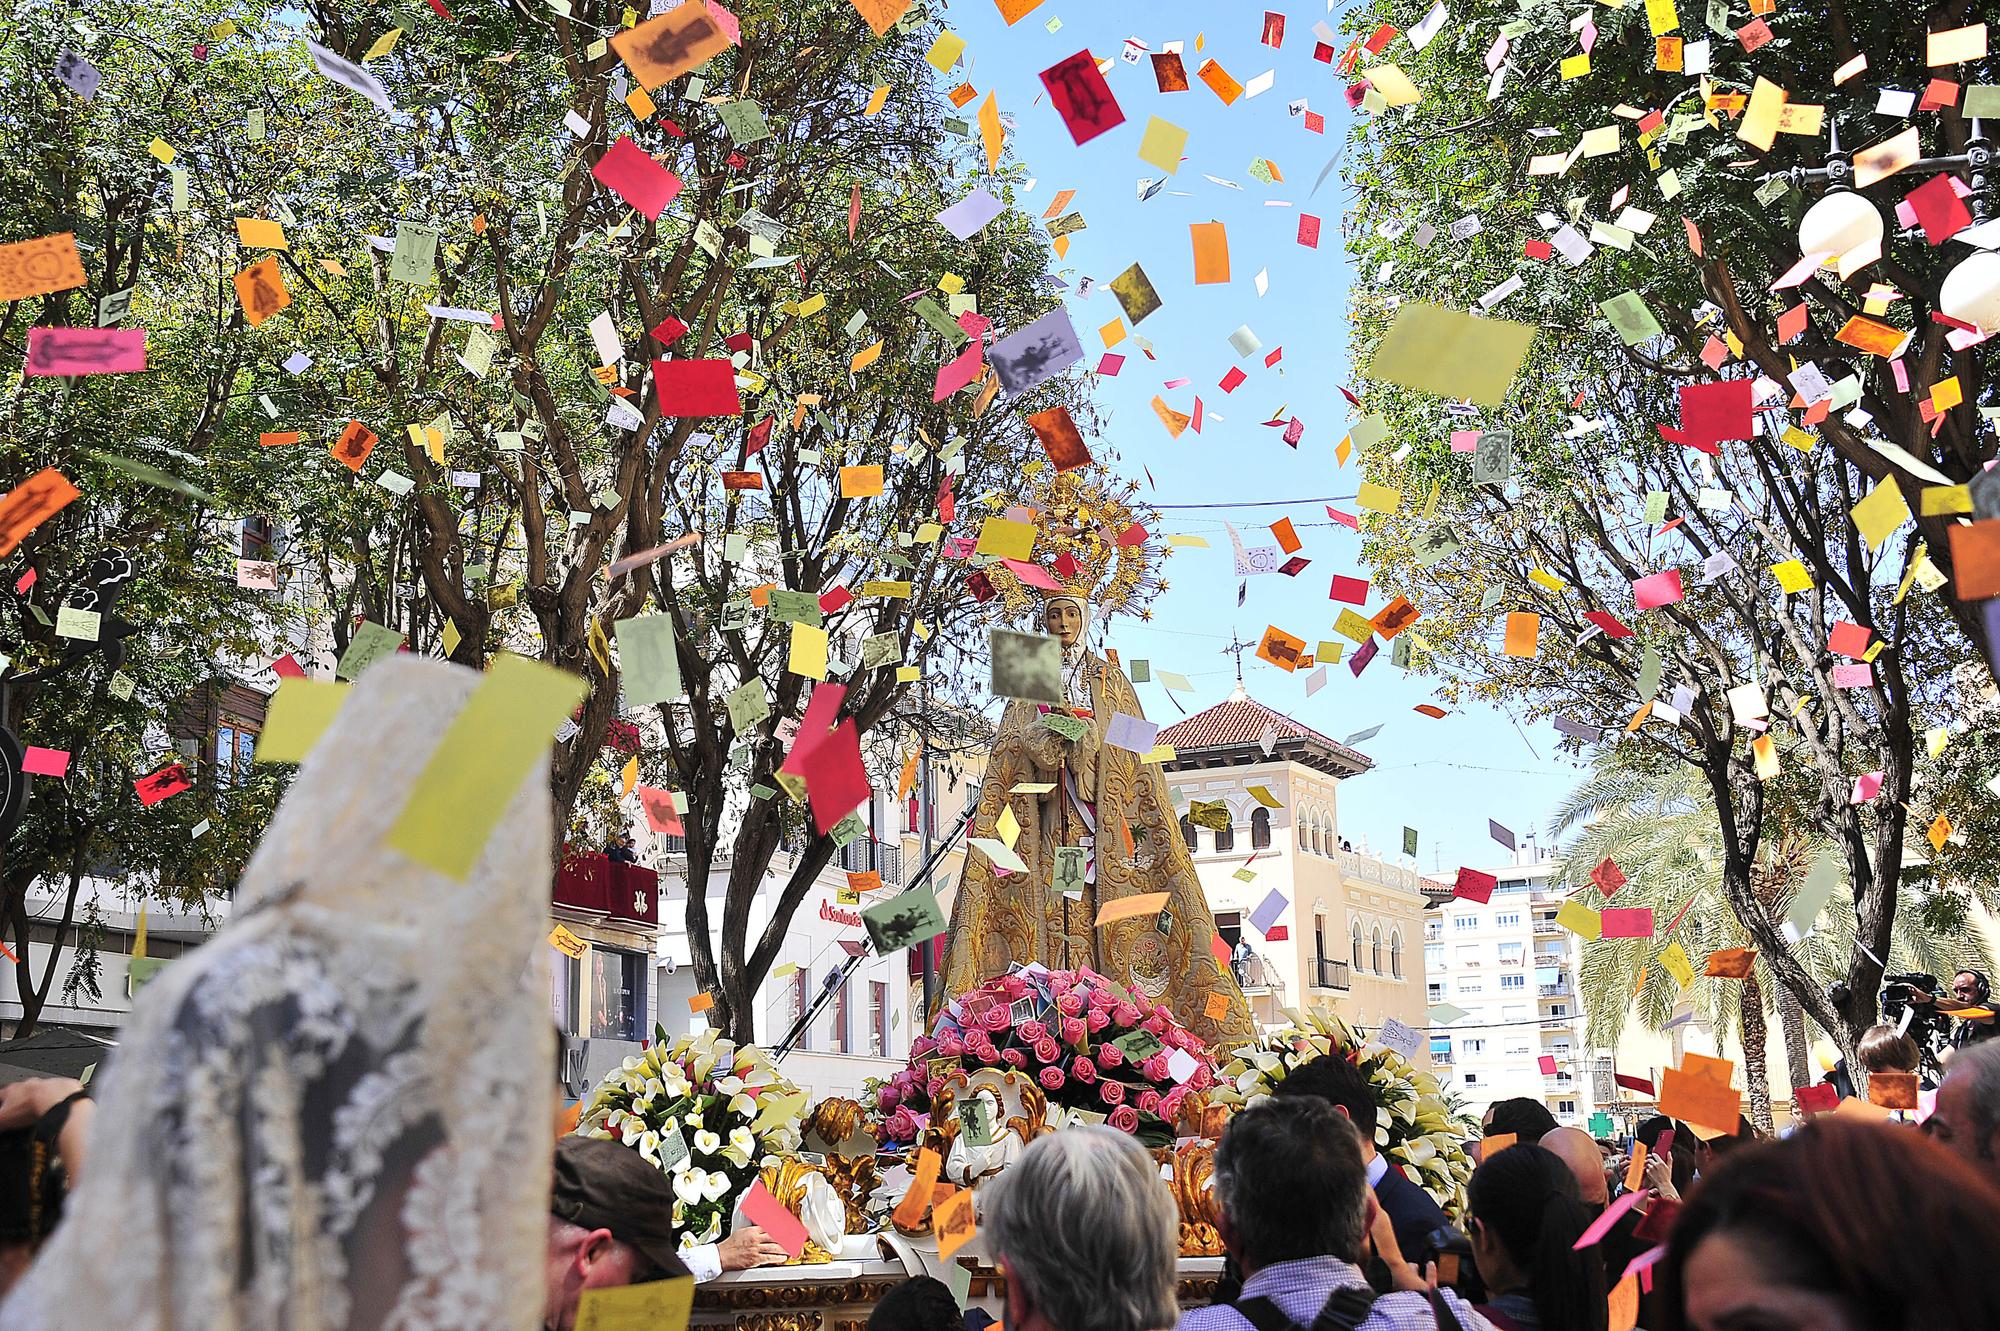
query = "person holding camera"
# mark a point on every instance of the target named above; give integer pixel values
(1968, 989)
(1971, 990)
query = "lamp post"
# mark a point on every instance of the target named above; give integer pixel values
(1843, 220)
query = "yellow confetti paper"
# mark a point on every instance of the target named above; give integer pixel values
(1580, 920)
(299, 713)
(479, 765)
(1792, 576)
(808, 652)
(260, 233)
(1395, 85)
(1451, 353)
(1162, 144)
(991, 137)
(945, 51)
(1004, 538)
(1878, 515)
(1378, 498)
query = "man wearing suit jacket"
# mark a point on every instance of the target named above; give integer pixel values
(1411, 1211)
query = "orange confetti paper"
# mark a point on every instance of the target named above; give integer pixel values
(1126, 908)
(1211, 252)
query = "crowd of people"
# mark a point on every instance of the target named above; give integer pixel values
(1844, 1225)
(320, 1120)
(1850, 1223)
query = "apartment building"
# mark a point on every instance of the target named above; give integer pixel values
(1511, 970)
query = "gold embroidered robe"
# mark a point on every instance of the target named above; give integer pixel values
(998, 919)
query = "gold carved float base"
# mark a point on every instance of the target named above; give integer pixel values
(776, 1299)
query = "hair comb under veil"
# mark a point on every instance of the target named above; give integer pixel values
(335, 1114)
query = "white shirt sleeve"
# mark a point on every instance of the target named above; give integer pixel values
(703, 1261)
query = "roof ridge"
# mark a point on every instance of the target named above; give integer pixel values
(1228, 723)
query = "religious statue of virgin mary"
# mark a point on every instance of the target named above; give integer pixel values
(1093, 822)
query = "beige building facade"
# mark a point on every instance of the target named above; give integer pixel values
(1343, 929)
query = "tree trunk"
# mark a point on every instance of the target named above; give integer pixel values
(1798, 1053)
(1756, 1075)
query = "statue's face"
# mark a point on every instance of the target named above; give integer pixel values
(1064, 620)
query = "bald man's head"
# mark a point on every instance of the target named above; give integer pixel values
(1576, 1149)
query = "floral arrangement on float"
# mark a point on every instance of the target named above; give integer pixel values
(1046, 1048)
(1417, 1125)
(709, 1113)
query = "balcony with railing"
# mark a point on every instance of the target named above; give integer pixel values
(1441, 1059)
(595, 886)
(862, 855)
(1330, 974)
(859, 856)
(1560, 989)
(1254, 973)
(1546, 927)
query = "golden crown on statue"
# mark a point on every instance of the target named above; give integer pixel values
(1095, 538)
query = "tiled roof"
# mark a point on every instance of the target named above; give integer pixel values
(1239, 721)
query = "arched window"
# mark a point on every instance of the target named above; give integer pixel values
(1260, 828)
(1357, 945)
(1396, 954)
(1303, 829)
(1187, 832)
(1225, 838)
(1376, 953)
(1314, 819)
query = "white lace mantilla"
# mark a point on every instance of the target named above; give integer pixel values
(336, 1114)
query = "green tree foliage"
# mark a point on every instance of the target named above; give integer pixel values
(1685, 225)
(141, 450)
(1650, 815)
(466, 290)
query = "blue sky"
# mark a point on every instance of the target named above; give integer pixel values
(1444, 778)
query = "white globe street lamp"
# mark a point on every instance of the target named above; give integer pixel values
(1840, 222)
(1970, 292)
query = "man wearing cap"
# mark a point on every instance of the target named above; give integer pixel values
(610, 1223)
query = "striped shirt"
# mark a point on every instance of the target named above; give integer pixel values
(1300, 1290)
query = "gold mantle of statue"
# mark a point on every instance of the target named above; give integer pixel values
(1094, 825)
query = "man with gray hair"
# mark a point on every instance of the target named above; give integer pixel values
(1967, 1117)
(1086, 1234)
(1294, 1206)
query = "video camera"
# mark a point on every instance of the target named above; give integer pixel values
(1916, 992)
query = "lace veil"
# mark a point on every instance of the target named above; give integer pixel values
(336, 1113)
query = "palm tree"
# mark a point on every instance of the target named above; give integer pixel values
(1655, 821)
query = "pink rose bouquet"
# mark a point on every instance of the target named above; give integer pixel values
(1089, 1043)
